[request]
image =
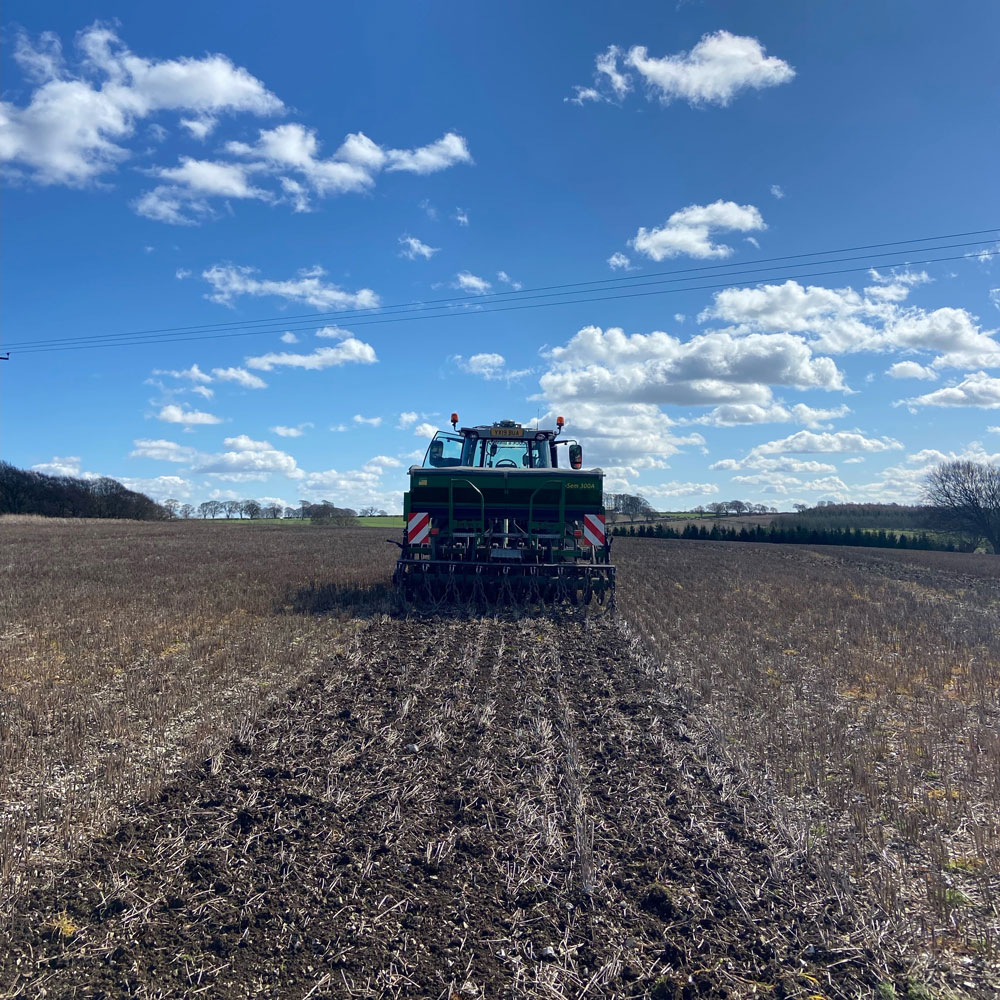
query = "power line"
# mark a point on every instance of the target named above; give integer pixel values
(428, 314)
(245, 329)
(544, 291)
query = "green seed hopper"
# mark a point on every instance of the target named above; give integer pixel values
(504, 512)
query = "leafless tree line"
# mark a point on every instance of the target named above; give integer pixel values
(253, 510)
(726, 507)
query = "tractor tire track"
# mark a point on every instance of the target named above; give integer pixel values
(451, 808)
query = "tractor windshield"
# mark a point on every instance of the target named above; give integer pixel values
(449, 450)
(507, 454)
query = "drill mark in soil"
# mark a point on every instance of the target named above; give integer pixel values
(453, 808)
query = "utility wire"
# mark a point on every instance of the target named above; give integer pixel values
(246, 329)
(428, 314)
(281, 323)
(519, 294)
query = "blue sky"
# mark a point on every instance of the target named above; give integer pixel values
(196, 165)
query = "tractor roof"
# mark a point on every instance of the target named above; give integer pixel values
(506, 429)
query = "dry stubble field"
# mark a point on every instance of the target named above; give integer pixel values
(230, 767)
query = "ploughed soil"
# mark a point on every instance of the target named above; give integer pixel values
(456, 809)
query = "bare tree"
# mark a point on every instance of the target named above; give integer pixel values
(965, 497)
(717, 509)
(232, 507)
(171, 505)
(799, 507)
(272, 510)
(187, 510)
(737, 506)
(635, 506)
(370, 511)
(251, 508)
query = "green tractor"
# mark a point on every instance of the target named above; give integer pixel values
(492, 514)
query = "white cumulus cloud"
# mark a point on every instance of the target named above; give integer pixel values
(208, 177)
(350, 350)
(162, 451)
(845, 320)
(230, 283)
(737, 414)
(506, 279)
(679, 489)
(173, 414)
(446, 152)
(412, 248)
(76, 122)
(467, 282)
(241, 376)
(718, 68)
(290, 432)
(779, 456)
(69, 465)
(712, 368)
(160, 488)
(688, 231)
(192, 374)
(246, 460)
(490, 366)
(977, 389)
(910, 369)
(808, 442)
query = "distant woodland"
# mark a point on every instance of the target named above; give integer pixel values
(23, 491)
(870, 516)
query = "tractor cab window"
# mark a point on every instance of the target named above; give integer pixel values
(510, 454)
(444, 451)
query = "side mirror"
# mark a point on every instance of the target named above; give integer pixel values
(437, 451)
(576, 456)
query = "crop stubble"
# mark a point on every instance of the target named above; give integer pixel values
(127, 649)
(452, 808)
(468, 806)
(861, 691)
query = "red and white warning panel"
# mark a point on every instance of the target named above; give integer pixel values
(593, 529)
(418, 528)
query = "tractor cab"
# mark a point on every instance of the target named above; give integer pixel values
(503, 445)
(492, 513)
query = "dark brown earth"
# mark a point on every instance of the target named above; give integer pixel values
(457, 809)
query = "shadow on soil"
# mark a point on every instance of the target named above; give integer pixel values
(381, 600)
(334, 598)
